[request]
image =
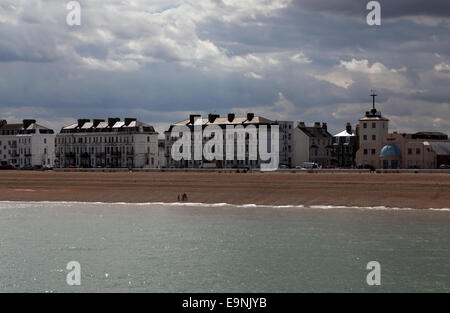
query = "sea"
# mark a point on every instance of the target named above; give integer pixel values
(194, 247)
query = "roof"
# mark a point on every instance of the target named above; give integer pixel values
(390, 150)
(238, 120)
(12, 127)
(429, 135)
(88, 125)
(373, 118)
(19, 127)
(316, 132)
(441, 147)
(373, 115)
(344, 133)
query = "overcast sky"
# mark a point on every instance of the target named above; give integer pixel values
(300, 60)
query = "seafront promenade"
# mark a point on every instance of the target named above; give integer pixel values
(243, 170)
(362, 189)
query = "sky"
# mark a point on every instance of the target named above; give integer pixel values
(159, 61)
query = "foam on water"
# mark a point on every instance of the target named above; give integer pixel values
(12, 204)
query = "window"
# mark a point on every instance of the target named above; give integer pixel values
(373, 151)
(365, 137)
(374, 137)
(409, 151)
(418, 151)
(374, 125)
(365, 125)
(365, 151)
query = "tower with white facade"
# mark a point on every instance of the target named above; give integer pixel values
(373, 128)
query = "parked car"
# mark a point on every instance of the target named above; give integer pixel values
(444, 166)
(309, 165)
(6, 167)
(366, 166)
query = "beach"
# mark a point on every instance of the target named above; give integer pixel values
(406, 190)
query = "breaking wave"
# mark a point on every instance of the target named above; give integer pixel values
(13, 204)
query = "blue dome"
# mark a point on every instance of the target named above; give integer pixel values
(390, 150)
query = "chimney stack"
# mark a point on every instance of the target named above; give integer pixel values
(301, 124)
(27, 123)
(250, 116)
(324, 126)
(212, 117)
(192, 118)
(112, 121)
(96, 122)
(3, 123)
(128, 120)
(348, 128)
(317, 124)
(231, 117)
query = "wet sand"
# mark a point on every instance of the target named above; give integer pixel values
(359, 189)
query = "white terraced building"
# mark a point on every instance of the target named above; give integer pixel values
(26, 144)
(285, 141)
(112, 143)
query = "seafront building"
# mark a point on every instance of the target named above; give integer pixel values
(285, 141)
(130, 143)
(111, 143)
(380, 149)
(312, 144)
(26, 144)
(345, 145)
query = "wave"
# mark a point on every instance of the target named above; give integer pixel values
(11, 204)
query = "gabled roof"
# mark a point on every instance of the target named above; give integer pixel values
(344, 133)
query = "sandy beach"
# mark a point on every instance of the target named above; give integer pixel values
(359, 189)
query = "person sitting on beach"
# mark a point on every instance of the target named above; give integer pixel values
(184, 198)
(178, 197)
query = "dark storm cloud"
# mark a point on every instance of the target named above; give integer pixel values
(390, 8)
(159, 61)
(18, 44)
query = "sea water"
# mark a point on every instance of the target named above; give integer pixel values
(156, 247)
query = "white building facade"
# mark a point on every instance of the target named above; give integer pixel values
(26, 145)
(239, 141)
(112, 143)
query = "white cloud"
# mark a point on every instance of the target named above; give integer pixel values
(138, 32)
(339, 78)
(282, 109)
(378, 75)
(442, 67)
